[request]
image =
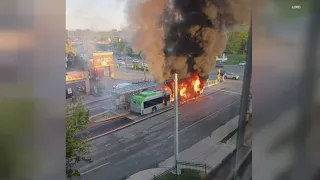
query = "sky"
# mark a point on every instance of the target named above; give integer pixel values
(96, 15)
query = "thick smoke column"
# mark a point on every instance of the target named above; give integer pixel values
(184, 35)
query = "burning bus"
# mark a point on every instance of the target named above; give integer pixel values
(149, 101)
(188, 88)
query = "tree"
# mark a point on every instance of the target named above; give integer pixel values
(129, 51)
(243, 36)
(121, 46)
(77, 119)
(237, 42)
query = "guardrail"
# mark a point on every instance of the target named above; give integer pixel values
(204, 168)
(211, 83)
(214, 82)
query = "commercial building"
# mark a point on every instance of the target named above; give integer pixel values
(102, 65)
(77, 83)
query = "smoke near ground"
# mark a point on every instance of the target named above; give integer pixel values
(183, 35)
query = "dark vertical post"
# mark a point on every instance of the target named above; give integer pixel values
(244, 100)
(300, 168)
(205, 169)
(176, 123)
(144, 70)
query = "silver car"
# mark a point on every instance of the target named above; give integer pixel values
(242, 63)
(229, 75)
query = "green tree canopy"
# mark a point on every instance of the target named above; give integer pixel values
(237, 42)
(77, 119)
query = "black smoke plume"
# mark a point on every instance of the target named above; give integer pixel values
(184, 36)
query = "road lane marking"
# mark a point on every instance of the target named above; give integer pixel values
(94, 169)
(107, 145)
(121, 140)
(106, 111)
(231, 92)
(204, 118)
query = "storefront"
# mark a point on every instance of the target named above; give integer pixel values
(102, 65)
(77, 84)
(97, 73)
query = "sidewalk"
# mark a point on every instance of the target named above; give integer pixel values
(91, 99)
(208, 151)
(88, 99)
(107, 115)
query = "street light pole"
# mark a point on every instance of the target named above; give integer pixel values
(144, 70)
(176, 125)
(244, 104)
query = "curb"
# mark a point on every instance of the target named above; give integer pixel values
(99, 114)
(107, 120)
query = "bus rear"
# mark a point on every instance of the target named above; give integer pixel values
(149, 101)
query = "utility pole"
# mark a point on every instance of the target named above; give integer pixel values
(144, 70)
(244, 104)
(176, 124)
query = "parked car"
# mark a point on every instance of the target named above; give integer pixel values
(219, 65)
(243, 63)
(135, 61)
(140, 66)
(121, 85)
(228, 75)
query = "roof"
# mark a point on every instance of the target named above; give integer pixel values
(139, 98)
(147, 93)
(133, 88)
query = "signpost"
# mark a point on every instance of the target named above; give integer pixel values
(176, 124)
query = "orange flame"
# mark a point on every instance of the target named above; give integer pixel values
(189, 89)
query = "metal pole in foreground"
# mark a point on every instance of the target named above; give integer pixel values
(176, 120)
(144, 70)
(244, 103)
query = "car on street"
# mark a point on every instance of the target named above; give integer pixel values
(135, 61)
(121, 85)
(145, 65)
(242, 63)
(121, 62)
(219, 64)
(229, 75)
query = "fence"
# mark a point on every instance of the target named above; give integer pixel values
(192, 171)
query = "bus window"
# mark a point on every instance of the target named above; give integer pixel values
(152, 102)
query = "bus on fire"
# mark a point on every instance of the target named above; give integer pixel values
(149, 101)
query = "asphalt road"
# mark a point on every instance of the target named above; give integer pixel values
(144, 145)
(100, 106)
(105, 127)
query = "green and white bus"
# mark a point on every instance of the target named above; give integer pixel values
(149, 101)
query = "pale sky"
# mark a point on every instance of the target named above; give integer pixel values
(95, 14)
